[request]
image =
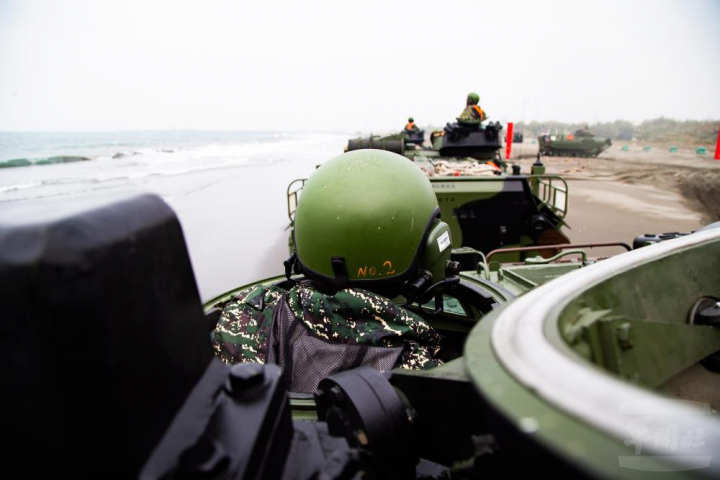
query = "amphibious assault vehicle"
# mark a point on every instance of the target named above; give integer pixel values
(486, 206)
(456, 140)
(581, 144)
(610, 371)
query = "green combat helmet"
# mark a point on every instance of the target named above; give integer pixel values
(370, 219)
(473, 98)
(411, 119)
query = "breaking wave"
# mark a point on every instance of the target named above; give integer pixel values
(98, 166)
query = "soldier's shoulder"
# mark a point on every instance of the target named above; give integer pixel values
(258, 296)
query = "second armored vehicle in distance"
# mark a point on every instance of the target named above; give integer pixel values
(580, 144)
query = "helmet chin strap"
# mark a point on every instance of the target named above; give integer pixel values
(291, 265)
(340, 271)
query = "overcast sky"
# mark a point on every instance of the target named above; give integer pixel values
(344, 66)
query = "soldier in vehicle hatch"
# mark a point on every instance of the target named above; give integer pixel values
(472, 114)
(356, 249)
(411, 127)
(584, 132)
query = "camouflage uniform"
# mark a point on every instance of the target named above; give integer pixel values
(469, 115)
(351, 316)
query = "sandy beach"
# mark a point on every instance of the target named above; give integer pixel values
(623, 194)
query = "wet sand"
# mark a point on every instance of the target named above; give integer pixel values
(235, 221)
(621, 195)
(606, 211)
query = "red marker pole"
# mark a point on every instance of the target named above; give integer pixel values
(717, 148)
(509, 141)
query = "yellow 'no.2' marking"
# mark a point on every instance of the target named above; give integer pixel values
(373, 272)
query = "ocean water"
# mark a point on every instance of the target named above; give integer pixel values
(229, 189)
(126, 158)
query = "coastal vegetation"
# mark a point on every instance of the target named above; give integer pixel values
(659, 130)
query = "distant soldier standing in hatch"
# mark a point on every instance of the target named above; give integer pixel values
(411, 127)
(472, 114)
(585, 132)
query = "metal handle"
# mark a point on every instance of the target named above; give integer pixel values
(544, 261)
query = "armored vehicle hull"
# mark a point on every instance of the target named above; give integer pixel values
(573, 145)
(476, 141)
(623, 354)
(490, 212)
(485, 207)
(487, 212)
(416, 137)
